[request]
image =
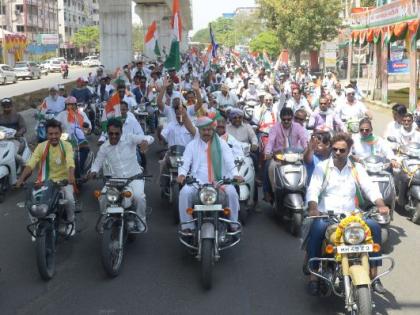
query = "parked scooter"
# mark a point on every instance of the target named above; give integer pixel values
(211, 234)
(378, 168)
(290, 186)
(118, 221)
(344, 264)
(246, 189)
(10, 167)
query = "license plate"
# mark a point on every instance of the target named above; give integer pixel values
(348, 249)
(113, 210)
(208, 208)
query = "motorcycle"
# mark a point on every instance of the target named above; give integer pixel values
(351, 124)
(344, 265)
(408, 181)
(117, 223)
(211, 235)
(377, 168)
(142, 116)
(10, 167)
(246, 189)
(45, 203)
(97, 121)
(65, 73)
(290, 186)
(248, 109)
(42, 119)
(171, 191)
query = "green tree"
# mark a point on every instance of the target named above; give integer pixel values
(87, 37)
(202, 36)
(267, 41)
(301, 24)
(138, 38)
(247, 26)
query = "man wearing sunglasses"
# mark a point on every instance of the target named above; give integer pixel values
(337, 185)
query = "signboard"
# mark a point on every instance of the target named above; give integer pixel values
(47, 39)
(330, 59)
(396, 54)
(398, 67)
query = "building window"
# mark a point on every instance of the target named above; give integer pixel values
(18, 8)
(2, 10)
(20, 28)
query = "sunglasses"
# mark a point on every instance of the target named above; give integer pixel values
(364, 130)
(339, 150)
(111, 134)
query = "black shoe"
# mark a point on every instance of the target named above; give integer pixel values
(313, 288)
(378, 287)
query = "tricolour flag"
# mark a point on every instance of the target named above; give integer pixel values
(214, 45)
(173, 60)
(151, 39)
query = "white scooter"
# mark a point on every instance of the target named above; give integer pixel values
(9, 167)
(247, 188)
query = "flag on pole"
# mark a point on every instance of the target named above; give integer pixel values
(214, 45)
(151, 39)
(266, 60)
(173, 59)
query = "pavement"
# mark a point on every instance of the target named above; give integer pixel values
(261, 275)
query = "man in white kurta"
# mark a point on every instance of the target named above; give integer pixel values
(196, 161)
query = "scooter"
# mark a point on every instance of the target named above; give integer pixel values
(246, 189)
(10, 168)
(290, 186)
(42, 119)
(378, 168)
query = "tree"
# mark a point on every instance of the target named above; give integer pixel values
(87, 37)
(202, 36)
(301, 24)
(247, 26)
(138, 37)
(267, 41)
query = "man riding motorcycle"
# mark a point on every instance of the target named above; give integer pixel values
(337, 185)
(53, 102)
(120, 153)
(81, 92)
(325, 117)
(56, 162)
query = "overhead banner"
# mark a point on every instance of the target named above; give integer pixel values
(47, 39)
(398, 67)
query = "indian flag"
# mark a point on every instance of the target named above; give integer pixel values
(173, 60)
(151, 39)
(112, 110)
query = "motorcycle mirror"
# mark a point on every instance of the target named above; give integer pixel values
(391, 139)
(21, 204)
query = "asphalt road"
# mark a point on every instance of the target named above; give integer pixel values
(262, 275)
(26, 86)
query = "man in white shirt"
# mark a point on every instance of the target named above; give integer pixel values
(53, 102)
(120, 153)
(298, 101)
(408, 133)
(352, 109)
(393, 127)
(334, 185)
(166, 98)
(225, 98)
(207, 167)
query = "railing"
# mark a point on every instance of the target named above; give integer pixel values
(393, 12)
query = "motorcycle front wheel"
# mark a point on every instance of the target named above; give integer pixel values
(112, 250)
(175, 202)
(363, 298)
(45, 252)
(207, 258)
(296, 224)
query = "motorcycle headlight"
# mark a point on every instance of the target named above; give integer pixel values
(354, 234)
(208, 196)
(39, 211)
(112, 195)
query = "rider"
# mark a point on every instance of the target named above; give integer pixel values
(120, 153)
(102, 90)
(210, 159)
(76, 124)
(334, 185)
(226, 98)
(325, 117)
(408, 133)
(53, 102)
(352, 108)
(393, 127)
(318, 149)
(56, 163)
(234, 144)
(81, 91)
(298, 101)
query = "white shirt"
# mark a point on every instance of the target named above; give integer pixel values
(392, 129)
(225, 101)
(130, 100)
(340, 191)
(406, 137)
(130, 126)
(357, 110)
(303, 103)
(55, 106)
(169, 112)
(363, 150)
(195, 159)
(122, 157)
(235, 145)
(73, 128)
(176, 134)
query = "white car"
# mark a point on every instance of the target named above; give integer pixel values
(7, 74)
(53, 65)
(91, 61)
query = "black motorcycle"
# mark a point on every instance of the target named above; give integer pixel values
(45, 203)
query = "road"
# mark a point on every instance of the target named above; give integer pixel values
(26, 86)
(262, 275)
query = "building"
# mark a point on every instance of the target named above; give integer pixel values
(72, 16)
(30, 17)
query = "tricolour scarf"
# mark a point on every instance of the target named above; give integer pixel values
(44, 170)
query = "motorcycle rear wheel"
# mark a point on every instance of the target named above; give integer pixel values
(45, 252)
(363, 298)
(207, 258)
(416, 214)
(111, 256)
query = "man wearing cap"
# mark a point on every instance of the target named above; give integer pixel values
(208, 159)
(352, 108)
(53, 102)
(81, 92)
(225, 98)
(9, 118)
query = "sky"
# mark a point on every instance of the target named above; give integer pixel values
(205, 11)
